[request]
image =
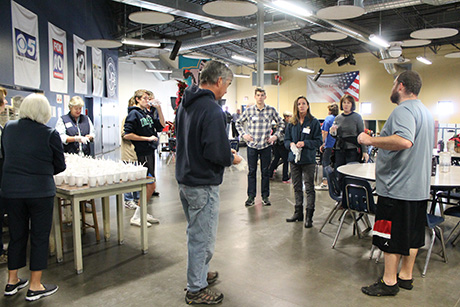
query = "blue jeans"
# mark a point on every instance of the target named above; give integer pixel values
(131, 196)
(265, 157)
(201, 208)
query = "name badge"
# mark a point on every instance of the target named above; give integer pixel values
(68, 125)
(254, 118)
(306, 130)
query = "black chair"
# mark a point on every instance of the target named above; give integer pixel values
(455, 212)
(334, 192)
(357, 198)
(432, 222)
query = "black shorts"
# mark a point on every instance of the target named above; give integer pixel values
(399, 225)
(149, 163)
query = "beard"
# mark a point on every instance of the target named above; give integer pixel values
(395, 97)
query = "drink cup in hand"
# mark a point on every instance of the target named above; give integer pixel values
(333, 129)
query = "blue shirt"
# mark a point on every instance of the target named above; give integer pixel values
(327, 124)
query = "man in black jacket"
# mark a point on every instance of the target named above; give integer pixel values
(203, 151)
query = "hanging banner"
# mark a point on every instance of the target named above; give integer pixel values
(111, 75)
(79, 62)
(329, 88)
(26, 56)
(98, 73)
(57, 46)
(191, 69)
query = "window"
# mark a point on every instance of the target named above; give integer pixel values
(366, 108)
(445, 108)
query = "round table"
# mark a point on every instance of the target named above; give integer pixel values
(367, 171)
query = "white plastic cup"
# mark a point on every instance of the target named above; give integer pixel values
(71, 180)
(444, 162)
(109, 178)
(101, 179)
(79, 180)
(116, 177)
(124, 176)
(58, 179)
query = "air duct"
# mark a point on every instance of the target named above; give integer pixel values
(390, 68)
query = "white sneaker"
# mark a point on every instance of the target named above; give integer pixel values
(130, 204)
(137, 222)
(152, 220)
(321, 187)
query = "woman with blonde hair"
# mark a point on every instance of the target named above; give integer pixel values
(75, 129)
(33, 153)
(303, 138)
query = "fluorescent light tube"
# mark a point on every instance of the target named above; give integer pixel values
(241, 76)
(140, 42)
(424, 60)
(292, 8)
(305, 69)
(243, 58)
(379, 41)
(161, 71)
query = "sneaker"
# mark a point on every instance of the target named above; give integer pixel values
(380, 289)
(156, 194)
(266, 201)
(321, 187)
(13, 289)
(212, 277)
(152, 220)
(287, 181)
(204, 296)
(36, 295)
(407, 284)
(137, 222)
(3, 258)
(250, 201)
(131, 204)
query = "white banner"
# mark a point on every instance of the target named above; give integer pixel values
(98, 73)
(79, 62)
(57, 46)
(111, 76)
(26, 56)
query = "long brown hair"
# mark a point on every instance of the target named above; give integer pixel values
(296, 116)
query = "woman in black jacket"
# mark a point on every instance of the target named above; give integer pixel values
(32, 153)
(303, 136)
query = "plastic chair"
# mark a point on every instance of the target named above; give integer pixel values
(334, 192)
(455, 212)
(172, 150)
(356, 198)
(432, 222)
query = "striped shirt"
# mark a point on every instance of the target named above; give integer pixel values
(259, 125)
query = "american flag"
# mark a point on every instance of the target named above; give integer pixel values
(329, 88)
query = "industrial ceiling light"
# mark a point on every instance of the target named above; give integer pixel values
(144, 58)
(243, 58)
(348, 60)
(140, 42)
(379, 41)
(331, 59)
(306, 69)
(288, 6)
(161, 71)
(423, 60)
(395, 49)
(242, 76)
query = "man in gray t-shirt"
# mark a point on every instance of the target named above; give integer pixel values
(403, 184)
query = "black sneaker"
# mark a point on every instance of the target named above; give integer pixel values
(380, 289)
(250, 201)
(13, 289)
(204, 296)
(407, 284)
(212, 277)
(36, 295)
(266, 201)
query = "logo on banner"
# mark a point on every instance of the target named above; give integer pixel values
(58, 60)
(26, 45)
(81, 65)
(97, 72)
(111, 73)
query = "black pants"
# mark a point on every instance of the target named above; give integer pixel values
(234, 130)
(343, 157)
(149, 163)
(38, 213)
(280, 152)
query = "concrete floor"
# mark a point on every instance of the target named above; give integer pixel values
(261, 259)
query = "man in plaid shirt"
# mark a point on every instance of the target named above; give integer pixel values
(259, 118)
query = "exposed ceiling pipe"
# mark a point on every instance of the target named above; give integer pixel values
(390, 68)
(232, 35)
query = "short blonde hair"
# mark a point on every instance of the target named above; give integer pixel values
(35, 107)
(76, 101)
